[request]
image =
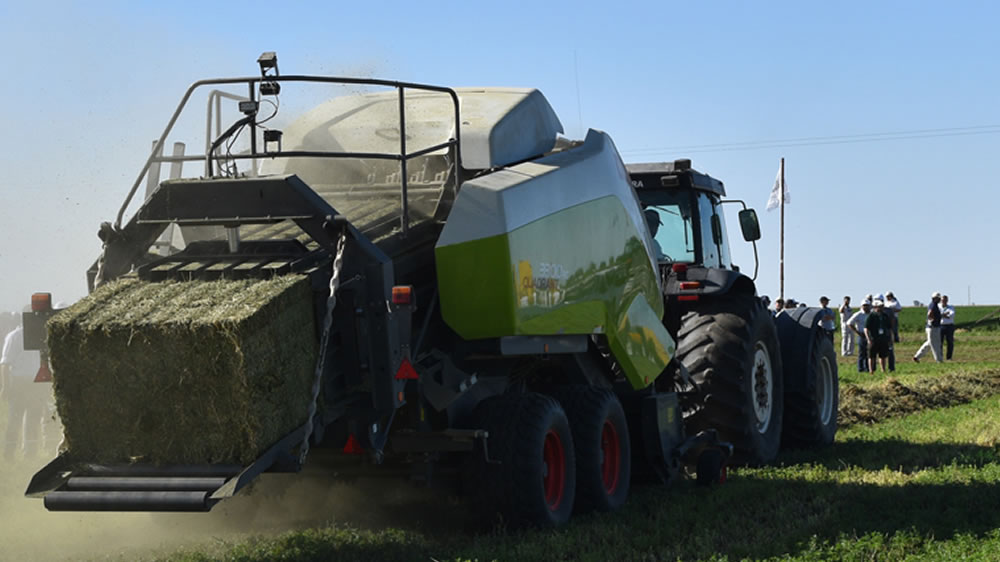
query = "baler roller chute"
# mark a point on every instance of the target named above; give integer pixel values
(129, 501)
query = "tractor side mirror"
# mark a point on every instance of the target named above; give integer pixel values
(749, 225)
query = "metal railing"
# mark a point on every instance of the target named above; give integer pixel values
(214, 102)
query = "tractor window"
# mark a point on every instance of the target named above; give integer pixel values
(673, 231)
(712, 242)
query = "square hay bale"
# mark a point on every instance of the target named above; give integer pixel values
(184, 372)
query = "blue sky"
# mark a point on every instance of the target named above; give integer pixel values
(88, 86)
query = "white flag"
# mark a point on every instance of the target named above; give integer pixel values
(775, 199)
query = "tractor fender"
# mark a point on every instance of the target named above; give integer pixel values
(796, 334)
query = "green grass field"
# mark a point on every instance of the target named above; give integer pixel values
(918, 479)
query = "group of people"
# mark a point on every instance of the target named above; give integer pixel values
(31, 427)
(875, 329)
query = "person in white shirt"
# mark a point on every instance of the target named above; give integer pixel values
(846, 335)
(947, 326)
(856, 324)
(893, 307)
(27, 401)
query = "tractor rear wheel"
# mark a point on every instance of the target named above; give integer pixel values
(529, 478)
(811, 411)
(730, 347)
(601, 441)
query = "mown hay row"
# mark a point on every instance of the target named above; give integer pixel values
(892, 398)
(184, 372)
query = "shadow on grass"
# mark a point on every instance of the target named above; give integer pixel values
(796, 510)
(895, 454)
(754, 516)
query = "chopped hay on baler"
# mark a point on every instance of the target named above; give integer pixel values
(184, 372)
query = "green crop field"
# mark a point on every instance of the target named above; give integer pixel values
(914, 474)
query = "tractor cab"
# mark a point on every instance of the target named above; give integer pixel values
(683, 210)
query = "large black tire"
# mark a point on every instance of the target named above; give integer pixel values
(530, 478)
(730, 347)
(811, 404)
(603, 450)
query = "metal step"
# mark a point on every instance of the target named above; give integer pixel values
(71, 485)
(140, 484)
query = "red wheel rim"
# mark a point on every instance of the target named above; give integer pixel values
(611, 457)
(553, 470)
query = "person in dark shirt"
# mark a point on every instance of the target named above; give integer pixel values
(878, 333)
(933, 330)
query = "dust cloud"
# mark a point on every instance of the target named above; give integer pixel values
(275, 503)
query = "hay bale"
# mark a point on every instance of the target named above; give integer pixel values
(184, 372)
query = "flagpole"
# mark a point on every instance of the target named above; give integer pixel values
(781, 199)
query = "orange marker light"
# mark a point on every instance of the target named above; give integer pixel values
(689, 285)
(41, 302)
(402, 294)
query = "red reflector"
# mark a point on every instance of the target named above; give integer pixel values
(352, 447)
(41, 302)
(679, 267)
(402, 294)
(406, 371)
(723, 474)
(43, 374)
(688, 285)
(687, 297)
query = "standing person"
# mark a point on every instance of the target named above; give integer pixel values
(878, 332)
(26, 401)
(779, 305)
(947, 325)
(933, 330)
(893, 307)
(856, 324)
(846, 334)
(827, 320)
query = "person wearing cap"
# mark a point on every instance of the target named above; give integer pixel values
(653, 221)
(878, 332)
(947, 326)
(893, 307)
(933, 330)
(856, 324)
(846, 334)
(827, 320)
(26, 401)
(779, 305)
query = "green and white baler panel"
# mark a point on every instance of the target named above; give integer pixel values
(556, 246)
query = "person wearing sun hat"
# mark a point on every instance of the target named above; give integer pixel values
(933, 330)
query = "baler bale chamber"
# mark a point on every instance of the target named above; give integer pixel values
(466, 316)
